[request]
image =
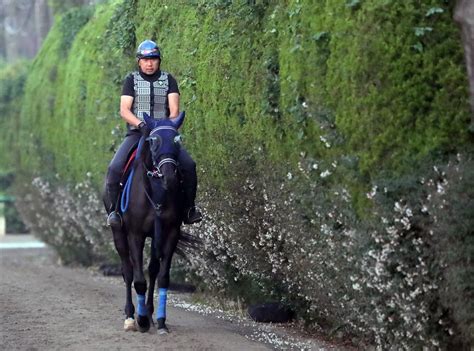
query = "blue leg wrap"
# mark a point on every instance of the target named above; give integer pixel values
(141, 310)
(161, 312)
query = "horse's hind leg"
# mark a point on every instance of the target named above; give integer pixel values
(121, 245)
(136, 244)
(153, 269)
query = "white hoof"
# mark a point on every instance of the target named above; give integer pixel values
(163, 331)
(129, 325)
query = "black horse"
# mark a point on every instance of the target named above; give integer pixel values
(152, 206)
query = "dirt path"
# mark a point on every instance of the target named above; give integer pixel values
(48, 307)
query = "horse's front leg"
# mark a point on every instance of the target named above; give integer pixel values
(164, 278)
(153, 269)
(136, 243)
(121, 245)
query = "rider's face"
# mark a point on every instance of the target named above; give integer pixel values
(149, 65)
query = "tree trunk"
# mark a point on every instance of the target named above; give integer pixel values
(24, 25)
(43, 21)
(464, 15)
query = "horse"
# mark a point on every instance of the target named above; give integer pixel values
(152, 206)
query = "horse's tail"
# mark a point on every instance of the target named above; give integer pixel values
(187, 243)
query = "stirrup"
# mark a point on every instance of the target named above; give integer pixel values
(114, 219)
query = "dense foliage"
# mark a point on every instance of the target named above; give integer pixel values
(323, 135)
(12, 81)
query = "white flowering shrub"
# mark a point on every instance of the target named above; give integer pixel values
(296, 234)
(451, 205)
(399, 276)
(69, 218)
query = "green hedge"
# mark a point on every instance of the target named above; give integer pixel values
(393, 84)
(315, 127)
(12, 82)
(73, 97)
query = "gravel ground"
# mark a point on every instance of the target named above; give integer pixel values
(45, 306)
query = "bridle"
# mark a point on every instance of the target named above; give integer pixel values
(157, 172)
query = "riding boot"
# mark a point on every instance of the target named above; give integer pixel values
(114, 219)
(191, 213)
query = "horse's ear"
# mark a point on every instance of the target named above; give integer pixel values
(150, 122)
(179, 120)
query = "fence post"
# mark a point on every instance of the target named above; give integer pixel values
(3, 222)
(3, 225)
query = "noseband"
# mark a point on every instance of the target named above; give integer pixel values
(162, 162)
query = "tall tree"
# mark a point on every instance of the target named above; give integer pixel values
(24, 24)
(464, 14)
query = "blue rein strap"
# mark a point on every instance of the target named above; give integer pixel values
(128, 185)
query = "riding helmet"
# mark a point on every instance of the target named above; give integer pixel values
(148, 49)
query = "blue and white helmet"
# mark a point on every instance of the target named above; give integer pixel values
(148, 49)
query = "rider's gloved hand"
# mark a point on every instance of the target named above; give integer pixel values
(144, 129)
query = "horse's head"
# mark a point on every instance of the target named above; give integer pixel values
(165, 143)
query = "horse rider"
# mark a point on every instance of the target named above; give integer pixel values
(155, 92)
